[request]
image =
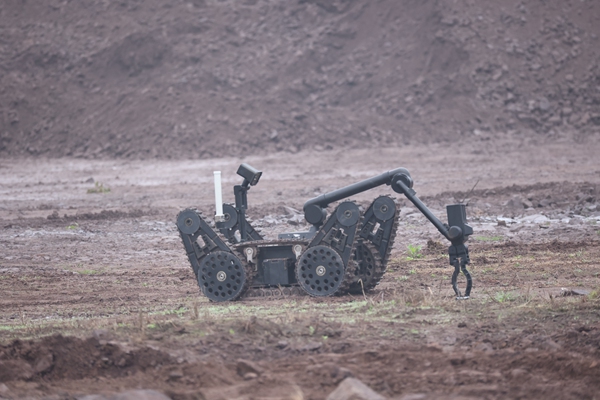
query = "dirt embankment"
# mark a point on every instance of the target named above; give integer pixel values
(206, 78)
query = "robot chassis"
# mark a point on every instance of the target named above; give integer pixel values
(345, 252)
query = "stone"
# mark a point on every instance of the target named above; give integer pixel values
(527, 204)
(4, 389)
(250, 375)
(535, 219)
(353, 389)
(311, 346)
(518, 372)
(544, 203)
(516, 202)
(44, 363)
(100, 334)
(244, 367)
(128, 395)
(329, 370)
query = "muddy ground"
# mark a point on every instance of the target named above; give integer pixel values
(98, 296)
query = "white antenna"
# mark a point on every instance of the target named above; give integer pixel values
(219, 217)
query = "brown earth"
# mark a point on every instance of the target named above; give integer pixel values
(98, 296)
(191, 79)
(113, 114)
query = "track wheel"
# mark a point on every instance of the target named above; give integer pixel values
(320, 271)
(221, 276)
(370, 268)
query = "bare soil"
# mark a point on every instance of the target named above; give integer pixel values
(212, 78)
(98, 296)
(113, 116)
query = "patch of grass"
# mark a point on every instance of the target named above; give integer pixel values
(414, 252)
(99, 188)
(504, 297)
(88, 272)
(73, 226)
(489, 238)
(12, 328)
(578, 254)
(177, 311)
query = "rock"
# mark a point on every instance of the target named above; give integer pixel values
(527, 204)
(128, 395)
(100, 334)
(544, 203)
(574, 292)
(330, 370)
(518, 372)
(44, 363)
(250, 375)
(414, 396)
(244, 367)
(353, 389)
(291, 211)
(535, 219)
(516, 202)
(4, 389)
(53, 216)
(544, 104)
(175, 375)
(555, 119)
(311, 346)
(484, 347)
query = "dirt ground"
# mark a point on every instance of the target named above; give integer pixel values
(98, 296)
(113, 116)
(137, 79)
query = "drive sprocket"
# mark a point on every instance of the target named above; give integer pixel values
(222, 276)
(320, 271)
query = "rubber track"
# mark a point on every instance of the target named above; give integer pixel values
(247, 268)
(381, 268)
(378, 272)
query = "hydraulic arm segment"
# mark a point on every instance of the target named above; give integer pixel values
(347, 251)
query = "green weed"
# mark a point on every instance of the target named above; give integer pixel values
(504, 297)
(88, 272)
(99, 188)
(414, 252)
(73, 226)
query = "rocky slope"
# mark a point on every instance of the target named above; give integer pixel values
(189, 79)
